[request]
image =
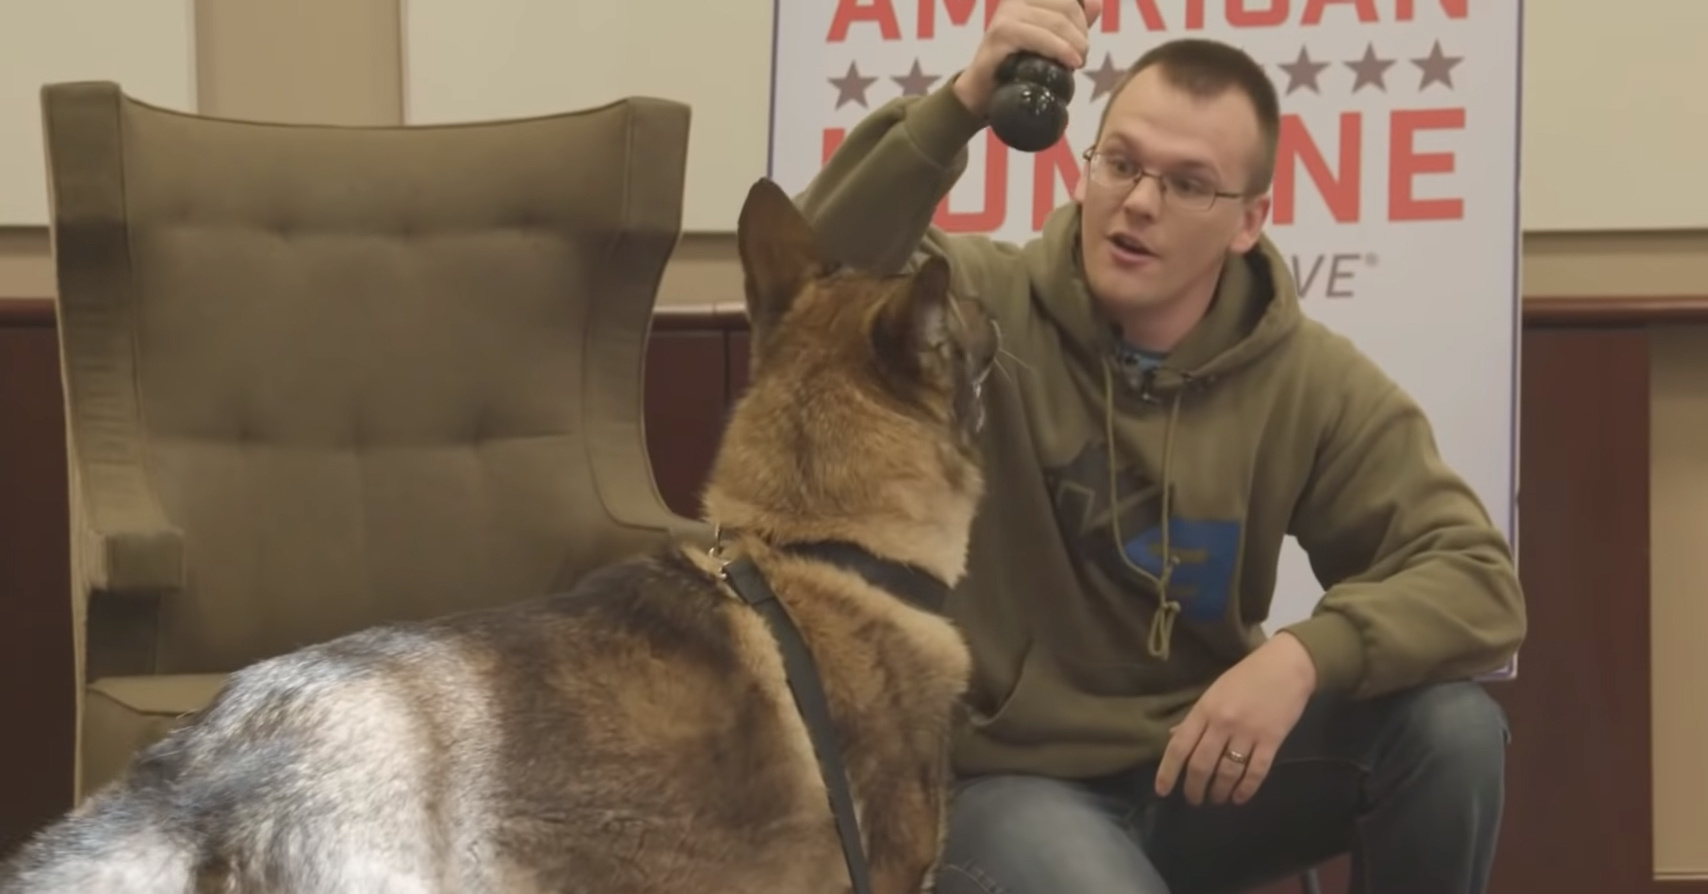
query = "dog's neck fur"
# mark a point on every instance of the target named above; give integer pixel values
(917, 515)
(937, 545)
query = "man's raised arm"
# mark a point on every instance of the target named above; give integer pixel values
(873, 201)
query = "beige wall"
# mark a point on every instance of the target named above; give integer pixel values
(254, 61)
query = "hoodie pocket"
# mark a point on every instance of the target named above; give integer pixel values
(1040, 706)
(1050, 704)
(1109, 677)
(989, 708)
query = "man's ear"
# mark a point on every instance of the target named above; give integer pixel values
(1252, 217)
(915, 320)
(779, 252)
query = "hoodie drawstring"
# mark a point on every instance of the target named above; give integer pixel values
(1161, 634)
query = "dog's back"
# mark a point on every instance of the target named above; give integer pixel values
(615, 739)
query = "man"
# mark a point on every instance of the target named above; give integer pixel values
(1167, 416)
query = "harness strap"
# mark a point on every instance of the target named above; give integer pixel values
(909, 583)
(808, 690)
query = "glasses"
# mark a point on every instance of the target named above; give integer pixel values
(1118, 172)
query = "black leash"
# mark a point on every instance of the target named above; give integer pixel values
(913, 584)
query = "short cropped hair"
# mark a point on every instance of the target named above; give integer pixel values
(1206, 69)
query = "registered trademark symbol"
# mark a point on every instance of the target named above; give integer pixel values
(1370, 259)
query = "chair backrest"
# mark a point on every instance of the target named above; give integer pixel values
(369, 373)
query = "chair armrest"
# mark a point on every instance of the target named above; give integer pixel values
(139, 561)
(126, 544)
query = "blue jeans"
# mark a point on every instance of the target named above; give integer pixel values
(1411, 784)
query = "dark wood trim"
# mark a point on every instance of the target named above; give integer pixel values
(26, 312)
(1539, 310)
(1634, 311)
(731, 315)
(719, 315)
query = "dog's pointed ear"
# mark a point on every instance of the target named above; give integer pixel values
(930, 297)
(915, 320)
(779, 252)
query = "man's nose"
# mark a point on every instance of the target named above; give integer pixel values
(1145, 197)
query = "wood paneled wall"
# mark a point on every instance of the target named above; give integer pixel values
(37, 699)
(1578, 812)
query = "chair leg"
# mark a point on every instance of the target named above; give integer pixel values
(1309, 884)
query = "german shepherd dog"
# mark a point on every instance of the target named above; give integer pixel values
(636, 734)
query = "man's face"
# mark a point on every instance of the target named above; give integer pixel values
(1148, 245)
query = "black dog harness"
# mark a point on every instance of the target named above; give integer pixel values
(907, 582)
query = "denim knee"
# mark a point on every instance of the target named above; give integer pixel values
(1034, 835)
(1453, 732)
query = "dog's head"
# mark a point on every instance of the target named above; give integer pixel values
(865, 399)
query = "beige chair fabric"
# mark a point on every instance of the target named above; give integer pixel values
(323, 377)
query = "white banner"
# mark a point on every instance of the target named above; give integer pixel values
(1396, 190)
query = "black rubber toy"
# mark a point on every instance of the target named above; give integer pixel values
(1028, 111)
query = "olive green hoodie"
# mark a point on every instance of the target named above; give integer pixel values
(1261, 424)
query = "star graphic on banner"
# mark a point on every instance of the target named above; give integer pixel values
(1369, 70)
(851, 87)
(1104, 78)
(1302, 72)
(1437, 67)
(916, 82)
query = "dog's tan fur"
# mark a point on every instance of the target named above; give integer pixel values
(637, 735)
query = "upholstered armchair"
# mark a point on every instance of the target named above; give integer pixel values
(323, 377)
